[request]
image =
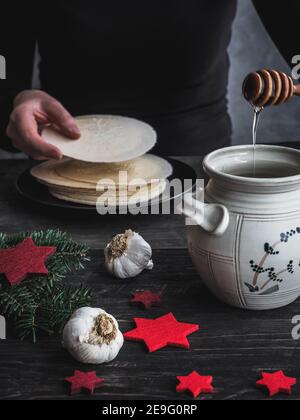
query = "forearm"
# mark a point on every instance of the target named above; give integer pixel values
(281, 21)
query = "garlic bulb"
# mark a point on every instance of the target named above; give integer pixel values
(127, 255)
(92, 336)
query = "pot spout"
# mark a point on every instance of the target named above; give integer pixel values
(212, 218)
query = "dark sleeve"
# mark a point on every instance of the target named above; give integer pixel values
(281, 20)
(17, 46)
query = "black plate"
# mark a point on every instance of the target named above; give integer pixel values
(29, 188)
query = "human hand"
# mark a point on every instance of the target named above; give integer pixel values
(32, 110)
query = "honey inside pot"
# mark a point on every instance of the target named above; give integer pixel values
(264, 170)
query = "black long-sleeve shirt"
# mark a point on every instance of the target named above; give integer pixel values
(161, 61)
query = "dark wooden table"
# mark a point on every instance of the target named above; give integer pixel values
(234, 346)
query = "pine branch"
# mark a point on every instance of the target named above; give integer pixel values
(69, 256)
(3, 240)
(15, 301)
(52, 313)
(43, 303)
(26, 324)
(60, 304)
(51, 237)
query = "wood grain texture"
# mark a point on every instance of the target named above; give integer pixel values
(232, 345)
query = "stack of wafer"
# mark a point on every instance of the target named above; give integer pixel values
(108, 165)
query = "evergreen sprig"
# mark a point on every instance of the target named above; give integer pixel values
(44, 303)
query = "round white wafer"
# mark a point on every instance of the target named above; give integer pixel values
(105, 138)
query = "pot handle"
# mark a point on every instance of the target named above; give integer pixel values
(212, 218)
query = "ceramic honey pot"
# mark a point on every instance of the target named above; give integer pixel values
(245, 240)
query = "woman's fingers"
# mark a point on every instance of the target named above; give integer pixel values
(59, 116)
(39, 158)
(23, 130)
(34, 108)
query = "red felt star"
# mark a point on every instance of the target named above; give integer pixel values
(86, 380)
(196, 384)
(277, 383)
(147, 299)
(26, 258)
(161, 332)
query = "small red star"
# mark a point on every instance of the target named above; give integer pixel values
(161, 332)
(26, 258)
(86, 380)
(196, 384)
(277, 383)
(147, 299)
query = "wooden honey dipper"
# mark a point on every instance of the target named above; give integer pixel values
(269, 87)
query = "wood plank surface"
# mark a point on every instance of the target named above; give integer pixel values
(232, 345)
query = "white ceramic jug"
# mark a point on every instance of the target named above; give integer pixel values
(245, 239)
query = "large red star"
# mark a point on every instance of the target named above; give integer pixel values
(277, 383)
(86, 380)
(196, 384)
(161, 332)
(146, 298)
(26, 258)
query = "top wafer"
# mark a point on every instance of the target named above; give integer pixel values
(105, 139)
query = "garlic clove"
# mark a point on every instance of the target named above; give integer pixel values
(92, 336)
(150, 265)
(139, 251)
(125, 268)
(127, 255)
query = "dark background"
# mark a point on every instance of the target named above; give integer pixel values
(251, 49)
